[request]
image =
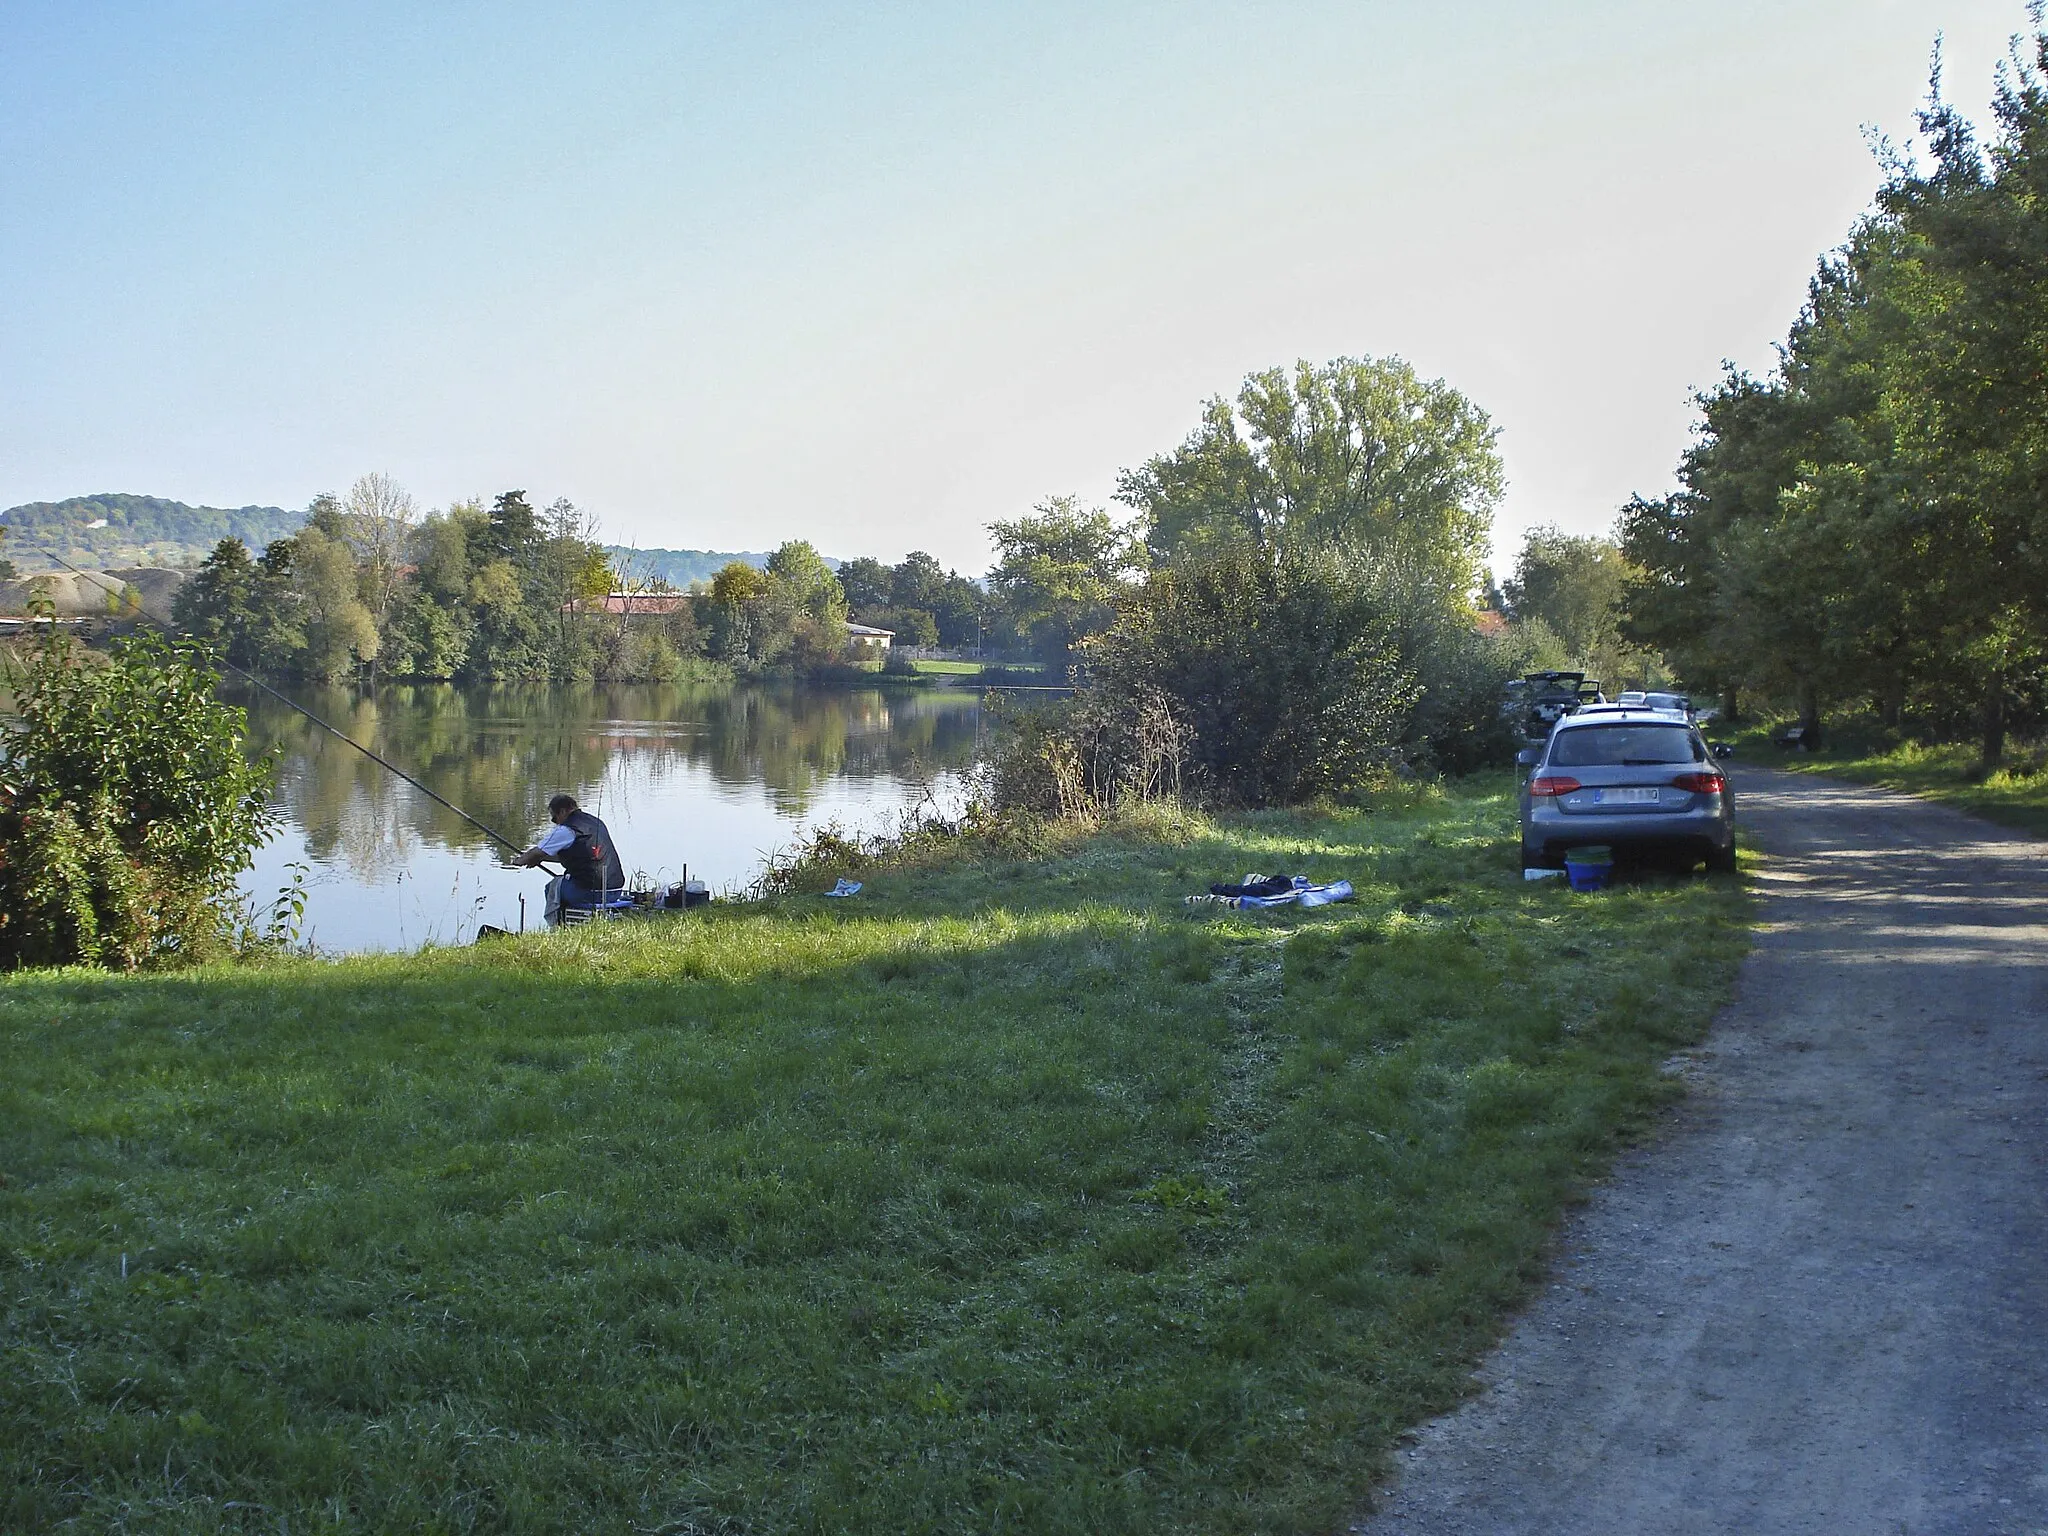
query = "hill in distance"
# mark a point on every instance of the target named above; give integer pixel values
(119, 530)
(113, 530)
(681, 567)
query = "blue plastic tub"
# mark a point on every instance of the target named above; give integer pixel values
(1588, 869)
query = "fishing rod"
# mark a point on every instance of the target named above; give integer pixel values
(243, 672)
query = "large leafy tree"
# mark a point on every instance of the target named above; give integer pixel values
(1572, 584)
(1360, 454)
(1059, 571)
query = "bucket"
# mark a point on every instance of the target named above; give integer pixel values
(1588, 868)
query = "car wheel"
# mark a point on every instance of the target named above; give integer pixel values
(1721, 861)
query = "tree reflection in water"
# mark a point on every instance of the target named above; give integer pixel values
(670, 759)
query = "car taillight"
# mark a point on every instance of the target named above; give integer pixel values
(1553, 784)
(1701, 783)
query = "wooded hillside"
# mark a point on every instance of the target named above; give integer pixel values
(135, 530)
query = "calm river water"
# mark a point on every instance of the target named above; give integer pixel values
(715, 779)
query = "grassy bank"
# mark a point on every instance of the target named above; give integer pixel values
(2015, 795)
(1024, 672)
(995, 1198)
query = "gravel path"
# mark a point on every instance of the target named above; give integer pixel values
(1819, 1302)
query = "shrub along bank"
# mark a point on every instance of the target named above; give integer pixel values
(1001, 1196)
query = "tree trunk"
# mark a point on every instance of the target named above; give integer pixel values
(1730, 711)
(1994, 722)
(1809, 717)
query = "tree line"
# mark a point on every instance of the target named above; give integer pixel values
(369, 587)
(1866, 525)
(1293, 589)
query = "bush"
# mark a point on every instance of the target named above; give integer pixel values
(1280, 670)
(1457, 724)
(1248, 677)
(127, 808)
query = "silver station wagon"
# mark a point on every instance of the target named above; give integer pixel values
(1642, 782)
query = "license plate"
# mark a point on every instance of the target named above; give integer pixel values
(1625, 796)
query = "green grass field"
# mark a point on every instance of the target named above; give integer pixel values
(999, 1198)
(2015, 795)
(973, 668)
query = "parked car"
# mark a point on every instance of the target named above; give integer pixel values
(1538, 700)
(1637, 698)
(1642, 782)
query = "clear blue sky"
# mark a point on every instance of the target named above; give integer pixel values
(874, 275)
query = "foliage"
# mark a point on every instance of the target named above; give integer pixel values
(1281, 667)
(1357, 453)
(1058, 573)
(789, 614)
(139, 530)
(127, 808)
(921, 601)
(368, 586)
(1004, 1196)
(1567, 600)
(1253, 676)
(1870, 522)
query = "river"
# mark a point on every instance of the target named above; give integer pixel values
(715, 779)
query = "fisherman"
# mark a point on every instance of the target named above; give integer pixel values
(591, 872)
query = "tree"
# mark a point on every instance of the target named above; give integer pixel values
(809, 581)
(128, 805)
(1572, 584)
(1570, 590)
(1358, 453)
(376, 524)
(869, 587)
(1058, 573)
(513, 529)
(339, 629)
(743, 631)
(567, 566)
(1872, 519)
(217, 606)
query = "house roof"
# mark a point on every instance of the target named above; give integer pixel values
(633, 602)
(869, 630)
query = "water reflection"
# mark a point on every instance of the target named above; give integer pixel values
(708, 777)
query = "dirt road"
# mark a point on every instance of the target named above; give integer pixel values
(1819, 1302)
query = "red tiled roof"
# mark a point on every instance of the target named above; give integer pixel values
(632, 603)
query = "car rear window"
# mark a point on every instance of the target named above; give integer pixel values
(1589, 746)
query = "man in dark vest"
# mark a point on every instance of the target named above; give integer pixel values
(582, 845)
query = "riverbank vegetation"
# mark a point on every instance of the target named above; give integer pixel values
(1301, 620)
(1010, 1193)
(128, 805)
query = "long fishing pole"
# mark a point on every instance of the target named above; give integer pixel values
(338, 734)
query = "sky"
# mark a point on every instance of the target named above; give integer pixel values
(875, 275)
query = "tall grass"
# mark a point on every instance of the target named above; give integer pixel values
(1009, 1195)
